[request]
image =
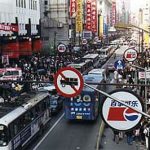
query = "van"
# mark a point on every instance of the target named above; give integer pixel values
(10, 73)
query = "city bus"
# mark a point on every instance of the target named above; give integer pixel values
(20, 124)
(83, 67)
(85, 106)
(105, 52)
(93, 57)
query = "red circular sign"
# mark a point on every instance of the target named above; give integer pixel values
(68, 82)
(61, 48)
(130, 54)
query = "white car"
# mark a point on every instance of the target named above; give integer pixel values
(46, 87)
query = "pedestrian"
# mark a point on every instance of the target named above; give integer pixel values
(129, 137)
(146, 132)
(116, 136)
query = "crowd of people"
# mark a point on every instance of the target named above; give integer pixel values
(139, 134)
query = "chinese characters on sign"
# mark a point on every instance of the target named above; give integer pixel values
(88, 15)
(13, 28)
(79, 23)
(73, 7)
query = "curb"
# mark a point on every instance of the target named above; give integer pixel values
(100, 133)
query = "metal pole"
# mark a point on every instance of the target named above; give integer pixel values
(118, 100)
(145, 91)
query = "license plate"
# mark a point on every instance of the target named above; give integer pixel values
(78, 117)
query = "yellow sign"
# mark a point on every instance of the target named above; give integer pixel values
(101, 28)
(79, 23)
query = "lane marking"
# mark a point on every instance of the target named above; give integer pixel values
(50, 130)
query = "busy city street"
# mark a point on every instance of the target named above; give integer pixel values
(74, 75)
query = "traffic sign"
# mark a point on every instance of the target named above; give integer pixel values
(119, 116)
(119, 64)
(84, 41)
(68, 82)
(61, 48)
(130, 54)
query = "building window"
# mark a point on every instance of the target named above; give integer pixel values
(31, 4)
(35, 5)
(17, 3)
(24, 3)
(21, 3)
(45, 2)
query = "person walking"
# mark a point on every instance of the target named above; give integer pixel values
(116, 136)
(146, 132)
(129, 137)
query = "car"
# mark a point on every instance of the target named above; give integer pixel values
(56, 103)
(46, 87)
(110, 67)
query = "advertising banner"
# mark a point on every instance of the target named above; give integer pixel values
(94, 16)
(13, 28)
(88, 15)
(79, 23)
(73, 7)
(101, 26)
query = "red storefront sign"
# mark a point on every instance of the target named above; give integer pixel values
(73, 7)
(25, 48)
(94, 16)
(88, 15)
(113, 14)
(37, 45)
(13, 28)
(11, 49)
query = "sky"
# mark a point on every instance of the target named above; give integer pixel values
(136, 4)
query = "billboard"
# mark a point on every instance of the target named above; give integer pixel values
(73, 7)
(88, 15)
(94, 15)
(79, 22)
(101, 25)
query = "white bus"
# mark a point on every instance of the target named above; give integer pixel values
(93, 57)
(105, 52)
(19, 125)
(100, 72)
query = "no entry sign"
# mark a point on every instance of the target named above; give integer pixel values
(130, 54)
(68, 82)
(119, 116)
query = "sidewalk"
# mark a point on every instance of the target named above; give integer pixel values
(108, 143)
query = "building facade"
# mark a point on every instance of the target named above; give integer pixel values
(54, 22)
(19, 27)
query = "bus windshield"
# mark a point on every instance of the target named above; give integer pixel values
(3, 135)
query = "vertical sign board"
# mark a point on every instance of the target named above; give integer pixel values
(68, 82)
(101, 26)
(72, 7)
(118, 116)
(94, 16)
(79, 23)
(88, 15)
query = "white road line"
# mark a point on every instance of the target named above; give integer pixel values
(50, 130)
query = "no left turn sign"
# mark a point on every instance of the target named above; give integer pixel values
(68, 82)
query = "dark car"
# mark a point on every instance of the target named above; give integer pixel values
(56, 103)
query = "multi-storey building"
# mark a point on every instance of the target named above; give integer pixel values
(19, 27)
(105, 12)
(54, 22)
